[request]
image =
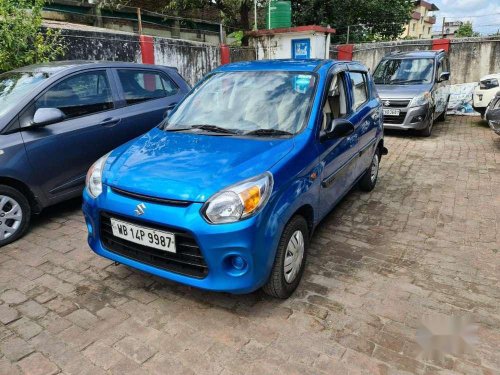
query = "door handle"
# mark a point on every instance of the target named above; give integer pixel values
(110, 121)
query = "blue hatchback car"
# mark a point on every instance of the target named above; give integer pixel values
(225, 194)
(56, 119)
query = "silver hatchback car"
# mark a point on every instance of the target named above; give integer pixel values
(414, 88)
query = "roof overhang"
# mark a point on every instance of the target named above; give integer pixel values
(297, 29)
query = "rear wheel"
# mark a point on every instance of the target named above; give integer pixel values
(290, 259)
(369, 179)
(15, 214)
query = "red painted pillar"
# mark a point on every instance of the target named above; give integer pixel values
(345, 52)
(441, 44)
(225, 57)
(147, 49)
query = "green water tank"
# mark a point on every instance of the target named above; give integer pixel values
(278, 14)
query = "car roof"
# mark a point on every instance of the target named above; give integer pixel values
(302, 65)
(410, 54)
(59, 66)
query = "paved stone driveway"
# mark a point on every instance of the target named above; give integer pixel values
(424, 242)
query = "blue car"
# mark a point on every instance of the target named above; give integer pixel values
(56, 119)
(225, 194)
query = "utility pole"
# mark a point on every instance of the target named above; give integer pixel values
(139, 21)
(442, 31)
(348, 30)
(255, 14)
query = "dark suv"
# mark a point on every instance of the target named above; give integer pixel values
(414, 88)
(57, 119)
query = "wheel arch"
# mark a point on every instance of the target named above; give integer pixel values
(35, 205)
(307, 212)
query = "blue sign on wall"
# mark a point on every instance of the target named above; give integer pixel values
(301, 48)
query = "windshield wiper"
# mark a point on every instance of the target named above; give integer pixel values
(268, 132)
(205, 127)
(406, 81)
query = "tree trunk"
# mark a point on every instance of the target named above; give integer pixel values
(245, 20)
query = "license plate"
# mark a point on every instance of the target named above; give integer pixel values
(391, 112)
(144, 236)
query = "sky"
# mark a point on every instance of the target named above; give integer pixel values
(484, 14)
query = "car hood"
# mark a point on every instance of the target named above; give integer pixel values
(402, 91)
(190, 166)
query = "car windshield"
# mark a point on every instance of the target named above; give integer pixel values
(404, 72)
(15, 85)
(253, 103)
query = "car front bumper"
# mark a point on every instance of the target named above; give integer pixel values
(254, 240)
(410, 118)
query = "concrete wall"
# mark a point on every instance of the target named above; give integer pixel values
(192, 59)
(470, 58)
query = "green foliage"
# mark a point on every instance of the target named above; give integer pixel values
(22, 41)
(465, 30)
(368, 20)
(238, 37)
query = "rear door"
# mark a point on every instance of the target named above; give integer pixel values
(365, 115)
(62, 152)
(145, 97)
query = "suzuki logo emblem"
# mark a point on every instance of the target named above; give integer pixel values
(140, 209)
(387, 103)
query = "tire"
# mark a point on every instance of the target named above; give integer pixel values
(15, 215)
(442, 116)
(369, 179)
(427, 131)
(282, 284)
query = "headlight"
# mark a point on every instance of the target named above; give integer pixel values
(239, 201)
(94, 177)
(420, 100)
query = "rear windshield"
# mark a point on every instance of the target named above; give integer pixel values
(404, 71)
(15, 85)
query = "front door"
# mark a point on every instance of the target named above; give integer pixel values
(443, 87)
(62, 152)
(338, 156)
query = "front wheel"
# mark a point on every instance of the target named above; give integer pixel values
(290, 259)
(15, 214)
(427, 131)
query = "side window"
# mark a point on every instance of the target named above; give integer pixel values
(143, 85)
(78, 95)
(336, 101)
(359, 88)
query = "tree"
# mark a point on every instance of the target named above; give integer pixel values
(465, 31)
(366, 20)
(22, 40)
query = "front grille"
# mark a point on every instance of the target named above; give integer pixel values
(188, 260)
(395, 119)
(148, 198)
(395, 103)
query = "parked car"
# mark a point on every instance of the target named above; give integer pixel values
(414, 88)
(56, 119)
(493, 113)
(485, 92)
(226, 194)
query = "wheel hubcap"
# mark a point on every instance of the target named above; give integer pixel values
(294, 256)
(374, 173)
(11, 216)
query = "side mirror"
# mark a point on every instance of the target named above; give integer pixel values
(46, 116)
(339, 128)
(445, 76)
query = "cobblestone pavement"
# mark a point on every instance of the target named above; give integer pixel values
(424, 242)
